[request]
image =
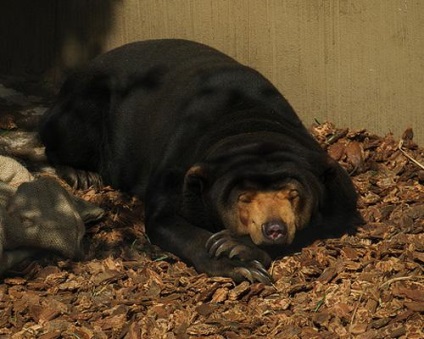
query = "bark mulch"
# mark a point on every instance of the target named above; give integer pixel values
(366, 285)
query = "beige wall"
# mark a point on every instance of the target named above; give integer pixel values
(358, 63)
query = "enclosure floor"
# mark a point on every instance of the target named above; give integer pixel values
(367, 285)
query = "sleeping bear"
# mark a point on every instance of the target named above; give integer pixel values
(228, 173)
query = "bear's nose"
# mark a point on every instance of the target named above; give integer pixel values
(274, 230)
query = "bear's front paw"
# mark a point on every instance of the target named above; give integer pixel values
(79, 179)
(252, 271)
(224, 243)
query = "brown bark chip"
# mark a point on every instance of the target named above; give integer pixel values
(366, 285)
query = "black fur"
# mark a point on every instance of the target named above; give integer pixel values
(143, 114)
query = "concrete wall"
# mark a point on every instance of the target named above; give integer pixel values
(357, 63)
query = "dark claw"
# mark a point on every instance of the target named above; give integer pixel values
(214, 237)
(255, 272)
(86, 179)
(223, 243)
(246, 262)
(262, 273)
(82, 180)
(243, 271)
(262, 278)
(79, 179)
(215, 246)
(95, 180)
(224, 247)
(236, 251)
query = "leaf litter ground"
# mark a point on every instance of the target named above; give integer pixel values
(366, 285)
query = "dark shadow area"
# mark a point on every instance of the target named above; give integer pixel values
(42, 40)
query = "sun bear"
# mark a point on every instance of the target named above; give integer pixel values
(225, 167)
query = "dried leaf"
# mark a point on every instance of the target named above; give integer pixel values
(355, 155)
(337, 150)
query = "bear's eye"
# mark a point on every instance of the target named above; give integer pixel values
(245, 198)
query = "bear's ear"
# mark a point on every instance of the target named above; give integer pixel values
(196, 178)
(198, 171)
